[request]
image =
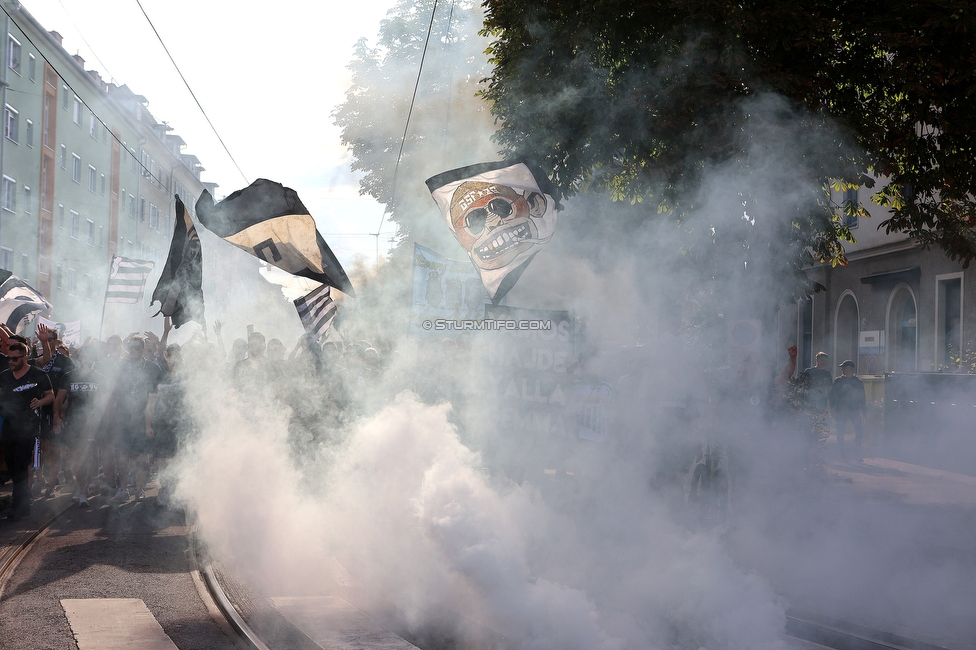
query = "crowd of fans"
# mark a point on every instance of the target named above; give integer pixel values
(100, 418)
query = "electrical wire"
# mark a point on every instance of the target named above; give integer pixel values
(406, 126)
(192, 94)
(85, 41)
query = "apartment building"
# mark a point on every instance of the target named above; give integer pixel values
(88, 172)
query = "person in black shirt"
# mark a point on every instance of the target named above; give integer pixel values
(817, 381)
(251, 374)
(78, 409)
(55, 363)
(848, 403)
(24, 390)
(171, 422)
(130, 409)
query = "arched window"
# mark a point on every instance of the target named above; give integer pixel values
(902, 330)
(846, 329)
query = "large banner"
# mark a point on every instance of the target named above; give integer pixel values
(530, 358)
(444, 290)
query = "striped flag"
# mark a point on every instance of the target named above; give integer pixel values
(19, 302)
(127, 280)
(317, 311)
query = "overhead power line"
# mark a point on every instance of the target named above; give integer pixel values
(85, 41)
(81, 99)
(192, 94)
(406, 126)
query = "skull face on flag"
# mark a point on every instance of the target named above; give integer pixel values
(500, 215)
(495, 223)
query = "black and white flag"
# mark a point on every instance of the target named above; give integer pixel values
(270, 222)
(19, 302)
(127, 280)
(317, 311)
(180, 287)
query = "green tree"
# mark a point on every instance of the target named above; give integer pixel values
(642, 99)
(449, 127)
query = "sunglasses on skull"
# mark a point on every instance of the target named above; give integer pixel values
(475, 220)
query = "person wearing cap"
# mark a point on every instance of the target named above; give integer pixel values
(848, 403)
(817, 381)
(24, 390)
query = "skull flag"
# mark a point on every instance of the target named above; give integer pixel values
(501, 213)
(269, 221)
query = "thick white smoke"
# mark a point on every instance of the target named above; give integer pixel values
(412, 515)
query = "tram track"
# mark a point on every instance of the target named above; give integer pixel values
(20, 547)
(248, 637)
(824, 631)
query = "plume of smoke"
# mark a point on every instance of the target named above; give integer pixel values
(403, 488)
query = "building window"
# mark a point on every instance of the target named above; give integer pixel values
(60, 215)
(13, 53)
(89, 286)
(46, 122)
(29, 135)
(902, 330)
(27, 199)
(142, 208)
(64, 96)
(101, 236)
(44, 176)
(24, 266)
(76, 168)
(76, 111)
(10, 123)
(31, 66)
(103, 184)
(153, 217)
(948, 325)
(132, 206)
(75, 224)
(104, 135)
(8, 194)
(91, 232)
(6, 258)
(92, 175)
(93, 127)
(57, 276)
(64, 156)
(72, 281)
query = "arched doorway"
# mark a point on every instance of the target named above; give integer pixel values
(846, 329)
(902, 330)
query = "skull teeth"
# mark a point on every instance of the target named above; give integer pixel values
(504, 242)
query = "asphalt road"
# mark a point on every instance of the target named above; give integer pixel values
(133, 551)
(883, 544)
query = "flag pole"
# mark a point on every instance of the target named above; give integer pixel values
(101, 323)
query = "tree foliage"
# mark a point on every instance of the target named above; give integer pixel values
(643, 98)
(449, 127)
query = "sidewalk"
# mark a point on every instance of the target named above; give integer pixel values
(912, 484)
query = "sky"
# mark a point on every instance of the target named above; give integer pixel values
(268, 77)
